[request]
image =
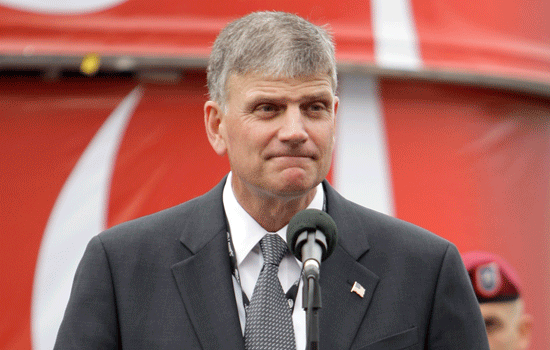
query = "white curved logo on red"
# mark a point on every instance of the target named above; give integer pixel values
(79, 213)
(60, 6)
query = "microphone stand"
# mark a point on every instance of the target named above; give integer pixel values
(311, 300)
(311, 236)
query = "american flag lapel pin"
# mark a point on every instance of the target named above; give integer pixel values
(358, 289)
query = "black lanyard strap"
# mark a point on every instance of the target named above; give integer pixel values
(291, 294)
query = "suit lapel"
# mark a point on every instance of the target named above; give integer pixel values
(204, 279)
(343, 309)
(205, 283)
(206, 288)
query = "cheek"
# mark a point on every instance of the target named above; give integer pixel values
(233, 134)
(244, 141)
(261, 137)
(324, 139)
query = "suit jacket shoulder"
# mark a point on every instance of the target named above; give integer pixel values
(361, 228)
(412, 289)
(162, 281)
(204, 213)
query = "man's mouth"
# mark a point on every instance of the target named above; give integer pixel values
(292, 155)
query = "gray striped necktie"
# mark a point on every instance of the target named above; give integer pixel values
(268, 317)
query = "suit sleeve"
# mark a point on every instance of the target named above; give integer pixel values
(90, 320)
(456, 321)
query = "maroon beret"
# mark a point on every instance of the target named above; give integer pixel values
(492, 277)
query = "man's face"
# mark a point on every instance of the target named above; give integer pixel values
(507, 327)
(278, 133)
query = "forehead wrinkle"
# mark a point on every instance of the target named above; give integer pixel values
(289, 94)
(258, 97)
(270, 84)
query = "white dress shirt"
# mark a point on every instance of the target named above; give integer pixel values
(246, 234)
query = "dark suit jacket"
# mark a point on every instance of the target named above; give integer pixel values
(164, 282)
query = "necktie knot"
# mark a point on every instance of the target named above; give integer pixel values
(273, 248)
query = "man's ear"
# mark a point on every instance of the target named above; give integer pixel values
(213, 116)
(336, 102)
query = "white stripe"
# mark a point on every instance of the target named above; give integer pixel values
(80, 212)
(361, 169)
(396, 44)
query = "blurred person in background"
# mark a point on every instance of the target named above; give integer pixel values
(498, 291)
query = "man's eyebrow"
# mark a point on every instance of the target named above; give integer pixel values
(267, 98)
(320, 96)
(261, 100)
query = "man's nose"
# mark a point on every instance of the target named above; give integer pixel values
(293, 128)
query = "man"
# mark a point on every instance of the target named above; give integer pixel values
(498, 291)
(192, 277)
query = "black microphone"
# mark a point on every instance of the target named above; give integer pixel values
(311, 236)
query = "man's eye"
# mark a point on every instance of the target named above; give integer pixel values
(317, 107)
(266, 109)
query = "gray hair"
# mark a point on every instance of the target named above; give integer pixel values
(277, 44)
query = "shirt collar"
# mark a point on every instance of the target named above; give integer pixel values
(245, 231)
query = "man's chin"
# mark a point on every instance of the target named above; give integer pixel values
(296, 181)
(294, 188)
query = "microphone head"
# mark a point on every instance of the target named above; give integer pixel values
(311, 220)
